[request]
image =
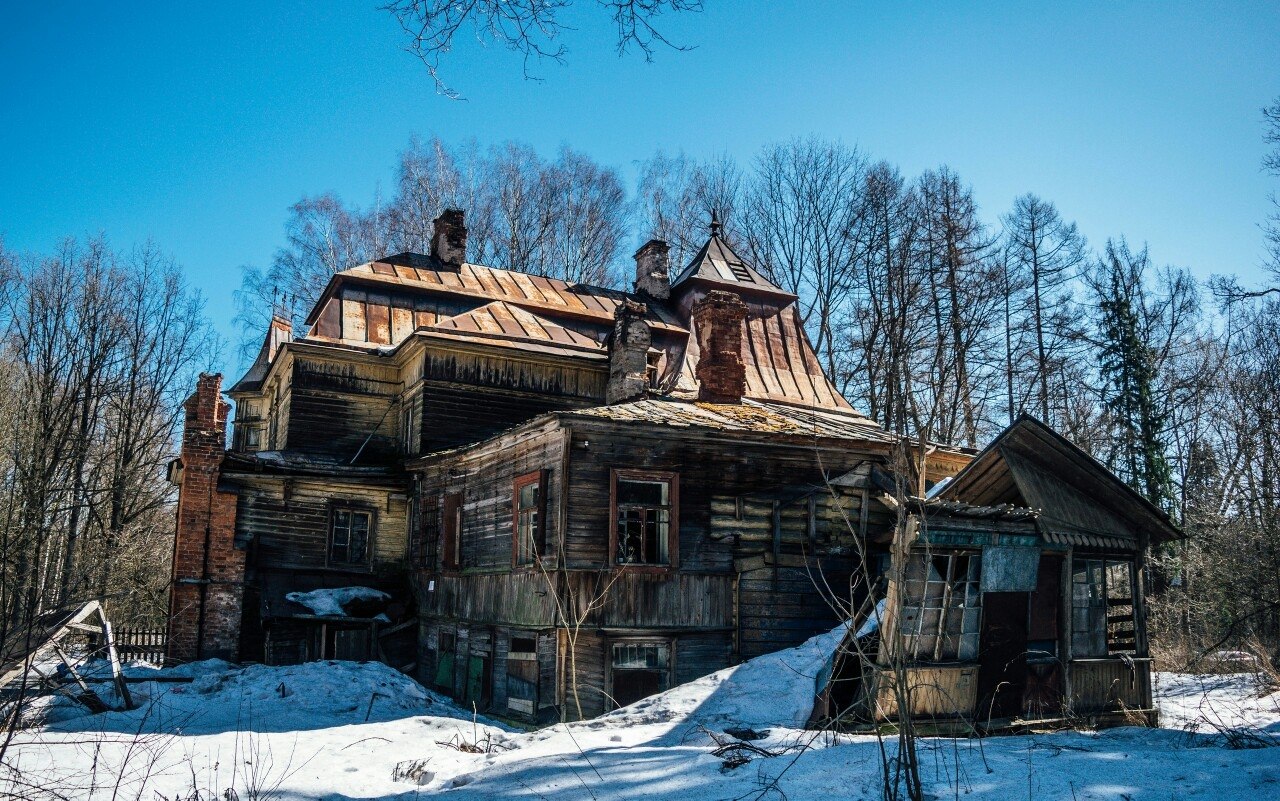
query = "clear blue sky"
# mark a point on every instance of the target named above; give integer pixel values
(199, 124)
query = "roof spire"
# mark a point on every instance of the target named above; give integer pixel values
(715, 224)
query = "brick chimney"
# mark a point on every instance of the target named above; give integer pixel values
(207, 592)
(717, 323)
(652, 270)
(628, 354)
(449, 240)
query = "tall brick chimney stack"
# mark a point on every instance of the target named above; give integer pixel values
(628, 354)
(652, 270)
(449, 240)
(717, 321)
(207, 592)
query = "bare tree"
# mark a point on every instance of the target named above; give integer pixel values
(1043, 254)
(529, 28)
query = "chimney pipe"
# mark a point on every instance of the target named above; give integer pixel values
(449, 240)
(628, 354)
(717, 323)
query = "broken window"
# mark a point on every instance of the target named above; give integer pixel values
(644, 511)
(1102, 620)
(349, 537)
(941, 607)
(529, 520)
(639, 669)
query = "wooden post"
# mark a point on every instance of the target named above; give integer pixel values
(117, 675)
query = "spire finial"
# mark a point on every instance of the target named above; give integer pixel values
(715, 224)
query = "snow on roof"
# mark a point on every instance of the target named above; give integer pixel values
(334, 602)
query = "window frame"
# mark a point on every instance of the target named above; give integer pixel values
(370, 532)
(1106, 606)
(451, 529)
(668, 643)
(538, 535)
(970, 585)
(672, 479)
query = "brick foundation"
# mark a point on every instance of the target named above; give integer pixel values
(207, 592)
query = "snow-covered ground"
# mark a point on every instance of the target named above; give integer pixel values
(341, 731)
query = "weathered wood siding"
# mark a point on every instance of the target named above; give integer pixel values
(339, 407)
(707, 467)
(288, 521)
(485, 477)
(515, 599)
(470, 395)
(1106, 685)
(652, 600)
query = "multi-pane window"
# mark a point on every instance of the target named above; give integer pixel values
(1102, 607)
(639, 669)
(408, 435)
(941, 607)
(644, 505)
(349, 537)
(528, 521)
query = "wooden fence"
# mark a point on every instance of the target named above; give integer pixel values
(143, 644)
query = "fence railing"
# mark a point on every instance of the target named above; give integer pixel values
(144, 644)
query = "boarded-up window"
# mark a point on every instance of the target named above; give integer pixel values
(941, 607)
(1102, 621)
(639, 670)
(451, 530)
(522, 675)
(528, 518)
(644, 517)
(349, 537)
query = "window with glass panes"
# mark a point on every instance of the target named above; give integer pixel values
(1102, 621)
(643, 513)
(349, 537)
(639, 670)
(528, 517)
(941, 608)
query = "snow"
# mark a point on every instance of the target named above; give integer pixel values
(342, 730)
(335, 601)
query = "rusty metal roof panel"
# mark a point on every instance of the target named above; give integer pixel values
(500, 320)
(490, 283)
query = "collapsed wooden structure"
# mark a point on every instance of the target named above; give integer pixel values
(45, 660)
(570, 497)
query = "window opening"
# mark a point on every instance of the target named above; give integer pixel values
(349, 537)
(941, 607)
(643, 521)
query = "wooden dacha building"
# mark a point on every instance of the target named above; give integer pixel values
(549, 499)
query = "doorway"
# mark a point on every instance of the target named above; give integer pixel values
(1002, 656)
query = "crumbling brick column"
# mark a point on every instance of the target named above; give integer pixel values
(628, 353)
(207, 591)
(717, 323)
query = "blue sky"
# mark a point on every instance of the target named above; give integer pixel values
(198, 125)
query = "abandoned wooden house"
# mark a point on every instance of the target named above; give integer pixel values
(561, 498)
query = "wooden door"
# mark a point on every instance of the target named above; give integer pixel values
(1002, 655)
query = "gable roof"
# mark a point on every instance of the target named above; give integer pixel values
(1080, 501)
(718, 265)
(279, 332)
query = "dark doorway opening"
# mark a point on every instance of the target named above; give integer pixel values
(1002, 656)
